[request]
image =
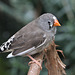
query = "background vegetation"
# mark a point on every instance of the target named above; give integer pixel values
(14, 14)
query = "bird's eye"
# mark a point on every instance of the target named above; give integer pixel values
(49, 23)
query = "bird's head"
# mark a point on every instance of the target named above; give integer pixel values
(48, 21)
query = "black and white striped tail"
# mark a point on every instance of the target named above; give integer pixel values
(6, 45)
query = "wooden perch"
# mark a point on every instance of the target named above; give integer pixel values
(53, 62)
(34, 68)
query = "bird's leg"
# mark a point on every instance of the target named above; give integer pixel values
(61, 52)
(34, 61)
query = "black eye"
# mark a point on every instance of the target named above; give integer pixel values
(49, 24)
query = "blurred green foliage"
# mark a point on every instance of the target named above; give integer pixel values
(14, 14)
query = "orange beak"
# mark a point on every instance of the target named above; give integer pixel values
(56, 23)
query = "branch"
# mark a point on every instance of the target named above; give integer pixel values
(53, 62)
(34, 68)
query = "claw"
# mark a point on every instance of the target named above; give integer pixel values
(34, 61)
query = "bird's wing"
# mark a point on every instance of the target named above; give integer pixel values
(31, 41)
(26, 40)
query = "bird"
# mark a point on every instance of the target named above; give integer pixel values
(32, 38)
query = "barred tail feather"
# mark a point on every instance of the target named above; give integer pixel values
(6, 45)
(2, 48)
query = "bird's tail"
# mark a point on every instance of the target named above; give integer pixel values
(5, 47)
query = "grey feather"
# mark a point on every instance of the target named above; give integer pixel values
(35, 34)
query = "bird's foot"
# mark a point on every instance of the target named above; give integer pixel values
(34, 61)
